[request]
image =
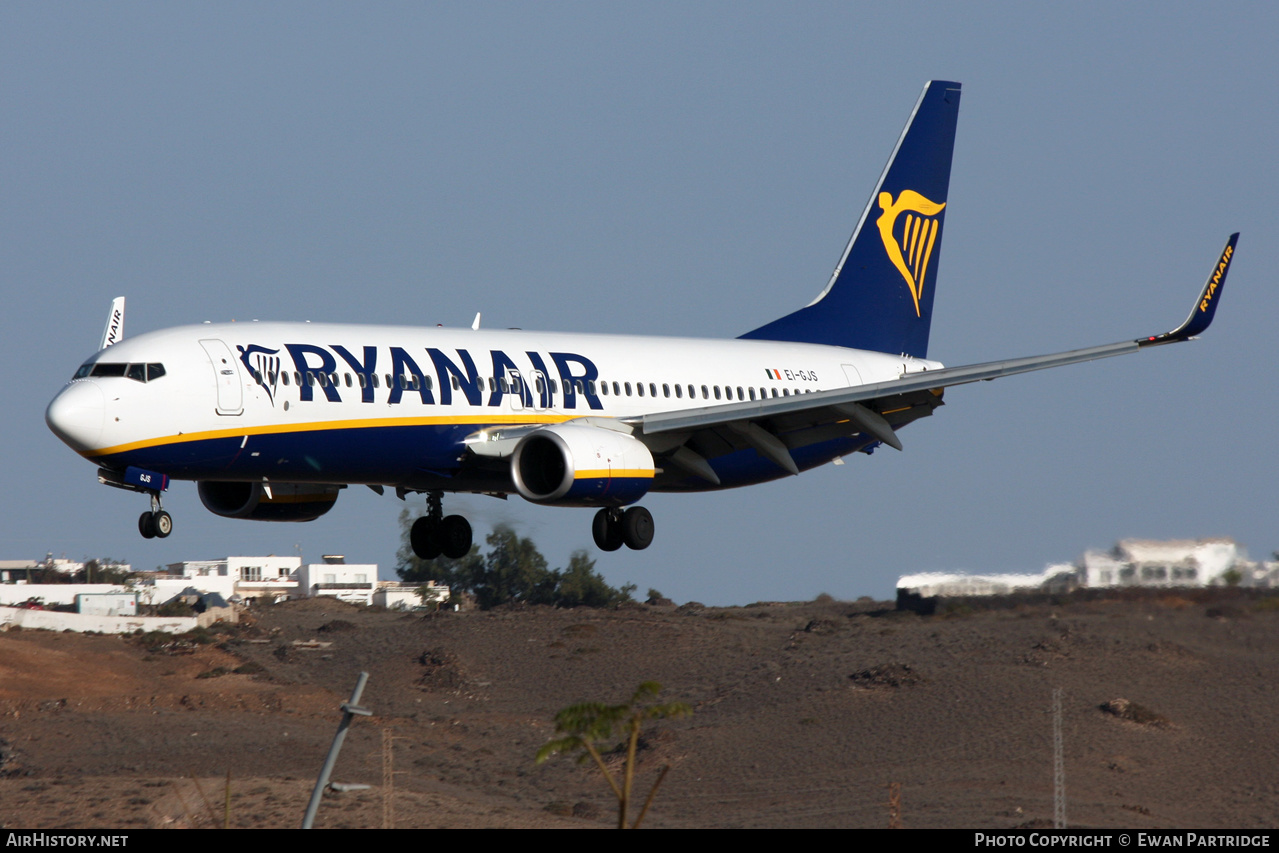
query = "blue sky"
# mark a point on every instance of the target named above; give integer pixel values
(687, 169)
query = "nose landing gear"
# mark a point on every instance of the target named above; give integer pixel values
(434, 534)
(156, 524)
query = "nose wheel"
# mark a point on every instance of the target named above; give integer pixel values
(156, 524)
(434, 533)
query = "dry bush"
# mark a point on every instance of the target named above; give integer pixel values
(1125, 709)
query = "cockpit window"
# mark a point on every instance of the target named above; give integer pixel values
(136, 372)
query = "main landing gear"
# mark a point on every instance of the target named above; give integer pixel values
(156, 524)
(434, 534)
(613, 528)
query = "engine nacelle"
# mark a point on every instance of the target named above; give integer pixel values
(581, 465)
(287, 501)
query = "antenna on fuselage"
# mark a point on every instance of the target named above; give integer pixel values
(475, 326)
(114, 331)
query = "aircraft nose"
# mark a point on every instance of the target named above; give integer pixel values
(77, 415)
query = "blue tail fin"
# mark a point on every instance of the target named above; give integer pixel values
(880, 296)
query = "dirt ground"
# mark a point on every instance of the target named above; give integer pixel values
(803, 715)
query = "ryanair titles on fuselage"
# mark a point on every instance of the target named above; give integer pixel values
(314, 369)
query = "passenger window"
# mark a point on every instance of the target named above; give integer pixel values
(679, 393)
(540, 386)
(628, 389)
(617, 391)
(603, 389)
(639, 389)
(705, 396)
(284, 377)
(752, 390)
(652, 389)
(692, 393)
(774, 390)
(785, 392)
(666, 390)
(456, 385)
(310, 378)
(349, 382)
(716, 392)
(364, 383)
(740, 395)
(324, 380)
(590, 387)
(430, 383)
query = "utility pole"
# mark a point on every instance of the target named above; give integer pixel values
(1059, 766)
(350, 710)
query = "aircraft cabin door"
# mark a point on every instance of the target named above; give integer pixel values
(514, 390)
(226, 373)
(540, 391)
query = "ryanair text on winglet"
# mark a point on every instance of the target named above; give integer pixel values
(1216, 278)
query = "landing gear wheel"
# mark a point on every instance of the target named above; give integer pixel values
(424, 538)
(163, 524)
(607, 529)
(455, 537)
(146, 525)
(637, 528)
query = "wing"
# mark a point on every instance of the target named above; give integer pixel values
(775, 426)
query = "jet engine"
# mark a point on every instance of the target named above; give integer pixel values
(286, 501)
(581, 465)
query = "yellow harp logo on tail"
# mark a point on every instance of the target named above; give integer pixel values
(911, 252)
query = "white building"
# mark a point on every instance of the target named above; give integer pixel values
(354, 583)
(264, 579)
(1177, 562)
(407, 596)
(268, 579)
(930, 584)
(1131, 563)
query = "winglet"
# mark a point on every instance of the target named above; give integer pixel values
(113, 333)
(1206, 306)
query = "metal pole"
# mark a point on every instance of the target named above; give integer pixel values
(350, 709)
(1059, 766)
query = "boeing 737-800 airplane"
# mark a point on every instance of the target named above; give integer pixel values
(273, 420)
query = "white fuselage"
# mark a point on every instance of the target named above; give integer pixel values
(312, 402)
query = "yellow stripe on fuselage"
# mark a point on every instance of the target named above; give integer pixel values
(319, 426)
(613, 474)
